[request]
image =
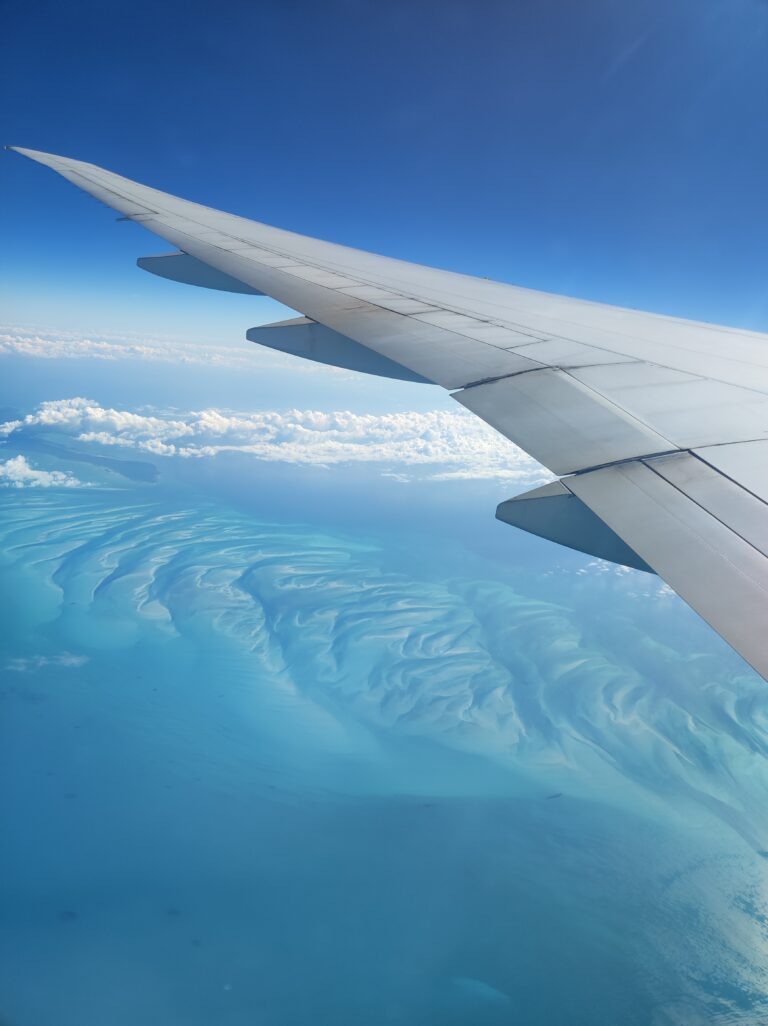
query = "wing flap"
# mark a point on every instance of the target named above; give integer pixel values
(688, 409)
(731, 504)
(722, 575)
(744, 462)
(560, 422)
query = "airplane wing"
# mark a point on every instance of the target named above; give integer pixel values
(656, 427)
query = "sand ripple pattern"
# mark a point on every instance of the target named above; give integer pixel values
(566, 696)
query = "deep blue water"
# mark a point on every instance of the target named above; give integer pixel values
(272, 758)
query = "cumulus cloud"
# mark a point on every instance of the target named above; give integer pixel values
(31, 663)
(445, 444)
(17, 473)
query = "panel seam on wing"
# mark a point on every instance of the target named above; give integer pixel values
(689, 529)
(700, 505)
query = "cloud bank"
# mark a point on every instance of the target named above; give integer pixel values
(447, 445)
(17, 473)
(47, 345)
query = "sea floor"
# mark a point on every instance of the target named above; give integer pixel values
(253, 772)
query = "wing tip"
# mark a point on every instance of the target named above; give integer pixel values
(39, 156)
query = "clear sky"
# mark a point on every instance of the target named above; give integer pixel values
(606, 149)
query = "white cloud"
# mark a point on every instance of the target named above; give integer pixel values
(450, 446)
(60, 345)
(17, 473)
(38, 662)
(445, 444)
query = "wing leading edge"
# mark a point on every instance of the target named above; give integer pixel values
(657, 427)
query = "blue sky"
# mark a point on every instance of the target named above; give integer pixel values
(610, 150)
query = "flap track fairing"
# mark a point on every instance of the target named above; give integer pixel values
(188, 270)
(301, 336)
(555, 513)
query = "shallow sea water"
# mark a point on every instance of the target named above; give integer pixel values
(263, 772)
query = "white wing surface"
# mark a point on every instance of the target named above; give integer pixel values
(656, 426)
